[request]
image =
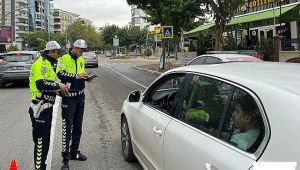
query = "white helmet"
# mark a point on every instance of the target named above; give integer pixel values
(80, 43)
(52, 45)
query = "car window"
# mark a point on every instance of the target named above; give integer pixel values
(243, 125)
(162, 95)
(18, 57)
(204, 103)
(198, 61)
(212, 60)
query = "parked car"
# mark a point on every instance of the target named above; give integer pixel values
(215, 117)
(108, 54)
(15, 66)
(221, 58)
(91, 59)
(121, 54)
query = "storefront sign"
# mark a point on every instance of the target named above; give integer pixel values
(254, 4)
(186, 56)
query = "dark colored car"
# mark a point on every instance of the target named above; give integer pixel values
(15, 66)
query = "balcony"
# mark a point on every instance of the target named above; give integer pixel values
(21, 31)
(22, 24)
(22, 1)
(20, 16)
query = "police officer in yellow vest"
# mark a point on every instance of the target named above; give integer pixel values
(43, 89)
(71, 71)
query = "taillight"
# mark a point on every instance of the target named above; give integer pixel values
(2, 62)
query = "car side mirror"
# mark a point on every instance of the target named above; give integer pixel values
(135, 96)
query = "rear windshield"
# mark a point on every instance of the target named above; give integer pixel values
(17, 57)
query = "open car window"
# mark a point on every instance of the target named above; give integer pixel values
(162, 93)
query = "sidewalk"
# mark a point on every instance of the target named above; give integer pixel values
(154, 67)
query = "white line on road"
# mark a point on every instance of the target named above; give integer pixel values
(54, 119)
(126, 77)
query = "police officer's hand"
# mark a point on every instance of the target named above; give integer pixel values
(83, 75)
(64, 88)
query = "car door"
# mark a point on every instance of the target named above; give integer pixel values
(154, 114)
(193, 139)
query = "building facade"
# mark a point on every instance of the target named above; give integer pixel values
(137, 17)
(62, 19)
(15, 14)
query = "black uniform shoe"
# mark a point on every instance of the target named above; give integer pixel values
(65, 166)
(78, 156)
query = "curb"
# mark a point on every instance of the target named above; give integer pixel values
(149, 71)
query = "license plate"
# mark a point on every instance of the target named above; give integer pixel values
(17, 68)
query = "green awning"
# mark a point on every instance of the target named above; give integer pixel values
(260, 15)
(195, 31)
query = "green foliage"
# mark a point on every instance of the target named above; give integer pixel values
(148, 52)
(181, 14)
(223, 11)
(127, 35)
(76, 30)
(35, 40)
(12, 48)
(265, 48)
(80, 30)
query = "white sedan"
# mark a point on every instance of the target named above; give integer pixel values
(221, 58)
(215, 117)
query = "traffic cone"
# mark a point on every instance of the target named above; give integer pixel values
(13, 165)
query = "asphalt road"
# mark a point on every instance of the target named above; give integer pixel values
(101, 126)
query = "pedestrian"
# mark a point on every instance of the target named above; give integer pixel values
(43, 90)
(71, 71)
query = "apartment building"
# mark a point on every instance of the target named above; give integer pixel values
(62, 19)
(137, 17)
(15, 14)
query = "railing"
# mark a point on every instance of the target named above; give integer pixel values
(290, 44)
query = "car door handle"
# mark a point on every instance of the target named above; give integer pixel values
(210, 167)
(157, 131)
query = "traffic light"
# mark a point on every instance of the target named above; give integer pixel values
(37, 6)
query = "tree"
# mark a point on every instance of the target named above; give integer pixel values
(109, 33)
(12, 48)
(128, 35)
(181, 14)
(80, 30)
(35, 40)
(223, 11)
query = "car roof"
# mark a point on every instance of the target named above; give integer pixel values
(280, 75)
(230, 57)
(22, 52)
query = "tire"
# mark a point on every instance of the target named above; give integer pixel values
(96, 66)
(126, 142)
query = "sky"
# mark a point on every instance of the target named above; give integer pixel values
(100, 12)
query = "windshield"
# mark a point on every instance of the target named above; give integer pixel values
(17, 57)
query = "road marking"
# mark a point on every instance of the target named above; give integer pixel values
(127, 77)
(54, 119)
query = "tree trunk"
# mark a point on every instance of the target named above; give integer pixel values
(220, 27)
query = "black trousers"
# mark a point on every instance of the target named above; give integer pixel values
(72, 117)
(41, 129)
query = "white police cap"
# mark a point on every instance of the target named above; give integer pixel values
(80, 43)
(52, 45)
